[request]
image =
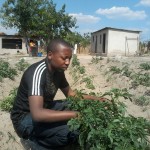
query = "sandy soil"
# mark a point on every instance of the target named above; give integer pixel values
(8, 138)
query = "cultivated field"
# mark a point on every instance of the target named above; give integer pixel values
(101, 75)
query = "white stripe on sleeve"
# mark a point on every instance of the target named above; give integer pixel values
(37, 78)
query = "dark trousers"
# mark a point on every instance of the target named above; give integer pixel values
(48, 135)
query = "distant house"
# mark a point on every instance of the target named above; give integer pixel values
(12, 44)
(112, 41)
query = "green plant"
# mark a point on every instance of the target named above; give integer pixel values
(104, 125)
(145, 66)
(96, 59)
(115, 70)
(140, 79)
(89, 82)
(75, 61)
(125, 71)
(22, 64)
(142, 101)
(81, 69)
(7, 103)
(76, 69)
(6, 71)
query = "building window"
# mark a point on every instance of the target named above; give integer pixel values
(12, 43)
(93, 38)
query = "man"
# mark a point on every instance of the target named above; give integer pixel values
(35, 115)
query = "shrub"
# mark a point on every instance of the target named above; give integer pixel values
(89, 82)
(115, 70)
(104, 125)
(96, 60)
(75, 61)
(141, 79)
(6, 71)
(22, 65)
(145, 66)
(142, 101)
(7, 103)
(125, 71)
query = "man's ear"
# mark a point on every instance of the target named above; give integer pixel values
(49, 55)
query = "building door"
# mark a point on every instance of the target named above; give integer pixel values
(104, 42)
(96, 45)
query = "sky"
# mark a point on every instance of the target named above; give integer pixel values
(93, 15)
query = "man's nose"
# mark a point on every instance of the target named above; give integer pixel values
(67, 61)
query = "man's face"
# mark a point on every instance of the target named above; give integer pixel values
(60, 59)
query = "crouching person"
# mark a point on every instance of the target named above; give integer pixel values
(35, 116)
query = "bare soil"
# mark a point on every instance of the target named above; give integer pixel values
(102, 82)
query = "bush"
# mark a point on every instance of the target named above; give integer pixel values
(104, 125)
(145, 66)
(22, 65)
(7, 102)
(75, 61)
(6, 71)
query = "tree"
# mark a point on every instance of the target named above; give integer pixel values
(86, 38)
(73, 38)
(77, 38)
(37, 18)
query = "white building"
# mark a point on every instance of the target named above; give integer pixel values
(111, 42)
(12, 44)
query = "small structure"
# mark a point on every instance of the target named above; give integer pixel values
(15, 43)
(12, 44)
(112, 41)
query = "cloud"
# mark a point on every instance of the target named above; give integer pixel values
(81, 18)
(144, 2)
(122, 13)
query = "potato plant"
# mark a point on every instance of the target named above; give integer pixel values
(78, 71)
(89, 82)
(96, 60)
(7, 103)
(141, 79)
(145, 66)
(6, 71)
(22, 65)
(106, 126)
(142, 100)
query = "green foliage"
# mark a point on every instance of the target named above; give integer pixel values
(125, 71)
(96, 60)
(115, 70)
(145, 66)
(76, 72)
(22, 65)
(142, 101)
(85, 41)
(82, 69)
(104, 125)
(38, 18)
(141, 79)
(7, 103)
(75, 61)
(77, 38)
(76, 69)
(6, 71)
(89, 82)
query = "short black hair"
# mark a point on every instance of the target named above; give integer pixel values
(52, 46)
